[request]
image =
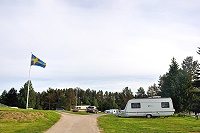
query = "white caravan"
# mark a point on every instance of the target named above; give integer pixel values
(148, 107)
(112, 111)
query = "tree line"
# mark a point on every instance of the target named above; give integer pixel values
(181, 83)
(66, 98)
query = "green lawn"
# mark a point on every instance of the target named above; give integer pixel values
(26, 121)
(112, 124)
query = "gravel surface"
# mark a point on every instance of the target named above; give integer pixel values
(72, 123)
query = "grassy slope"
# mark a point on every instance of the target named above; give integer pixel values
(112, 124)
(26, 121)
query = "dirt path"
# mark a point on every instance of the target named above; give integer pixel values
(71, 123)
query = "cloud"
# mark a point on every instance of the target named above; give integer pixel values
(95, 44)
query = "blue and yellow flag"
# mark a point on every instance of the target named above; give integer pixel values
(36, 61)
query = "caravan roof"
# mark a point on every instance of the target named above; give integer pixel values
(149, 100)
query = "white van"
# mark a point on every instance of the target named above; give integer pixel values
(148, 107)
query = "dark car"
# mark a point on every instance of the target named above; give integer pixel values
(91, 109)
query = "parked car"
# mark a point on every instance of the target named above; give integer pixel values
(91, 109)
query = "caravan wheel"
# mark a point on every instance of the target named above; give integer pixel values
(148, 115)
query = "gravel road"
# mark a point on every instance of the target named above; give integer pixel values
(72, 123)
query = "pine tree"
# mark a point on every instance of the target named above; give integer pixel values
(11, 98)
(141, 93)
(3, 97)
(22, 98)
(153, 90)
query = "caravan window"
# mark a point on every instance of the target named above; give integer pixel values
(135, 105)
(165, 104)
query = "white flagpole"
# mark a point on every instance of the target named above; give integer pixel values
(28, 85)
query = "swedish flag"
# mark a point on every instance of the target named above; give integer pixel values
(36, 61)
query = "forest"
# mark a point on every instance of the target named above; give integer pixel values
(180, 82)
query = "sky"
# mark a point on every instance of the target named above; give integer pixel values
(97, 44)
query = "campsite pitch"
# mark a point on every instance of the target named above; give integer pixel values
(112, 124)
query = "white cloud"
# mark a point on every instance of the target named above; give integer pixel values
(95, 44)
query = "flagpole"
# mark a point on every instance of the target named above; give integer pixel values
(28, 85)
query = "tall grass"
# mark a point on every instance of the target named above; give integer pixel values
(26, 121)
(112, 124)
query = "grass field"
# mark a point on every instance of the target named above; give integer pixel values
(37, 121)
(112, 124)
(26, 121)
